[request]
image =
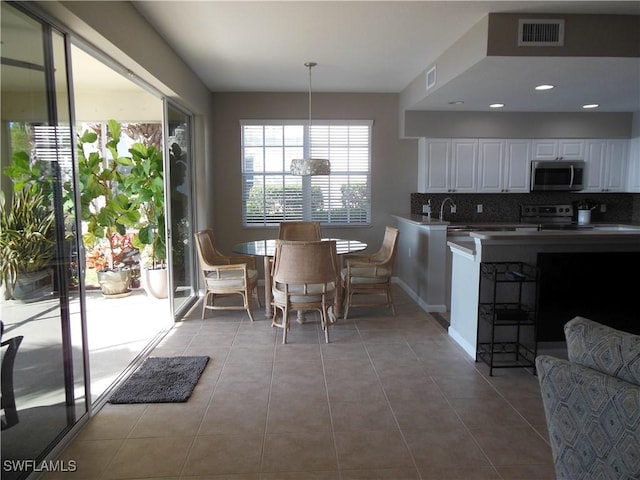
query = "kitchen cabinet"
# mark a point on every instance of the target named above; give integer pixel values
(504, 166)
(558, 149)
(633, 166)
(449, 165)
(606, 166)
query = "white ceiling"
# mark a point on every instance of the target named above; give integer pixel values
(382, 46)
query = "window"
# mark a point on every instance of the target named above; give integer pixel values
(271, 195)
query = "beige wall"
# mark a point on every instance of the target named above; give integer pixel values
(393, 161)
(517, 124)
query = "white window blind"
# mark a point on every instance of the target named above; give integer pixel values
(271, 195)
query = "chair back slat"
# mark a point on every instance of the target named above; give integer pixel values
(305, 262)
(205, 246)
(389, 246)
(299, 231)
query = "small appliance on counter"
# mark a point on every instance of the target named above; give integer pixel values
(584, 217)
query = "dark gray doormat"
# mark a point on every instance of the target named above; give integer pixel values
(161, 380)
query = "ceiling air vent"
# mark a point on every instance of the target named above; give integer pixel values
(540, 32)
(431, 77)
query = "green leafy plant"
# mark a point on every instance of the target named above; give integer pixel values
(145, 184)
(26, 234)
(105, 207)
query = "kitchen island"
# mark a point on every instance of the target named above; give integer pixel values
(608, 249)
(423, 261)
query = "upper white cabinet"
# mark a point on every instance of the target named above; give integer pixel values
(558, 149)
(633, 166)
(503, 166)
(470, 165)
(606, 166)
(449, 165)
(464, 163)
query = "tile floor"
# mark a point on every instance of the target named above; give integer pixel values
(389, 398)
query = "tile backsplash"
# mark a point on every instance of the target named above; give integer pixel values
(501, 207)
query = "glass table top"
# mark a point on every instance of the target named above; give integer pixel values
(267, 247)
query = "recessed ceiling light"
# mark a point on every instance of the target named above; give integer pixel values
(545, 87)
(591, 105)
(496, 105)
(456, 102)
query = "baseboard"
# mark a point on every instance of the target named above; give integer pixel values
(466, 346)
(424, 305)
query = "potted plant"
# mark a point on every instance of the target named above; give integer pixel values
(145, 183)
(105, 208)
(27, 247)
(27, 244)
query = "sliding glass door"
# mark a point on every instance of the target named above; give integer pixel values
(179, 186)
(43, 377)
(67, 340)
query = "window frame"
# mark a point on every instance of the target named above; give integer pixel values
(308, 185)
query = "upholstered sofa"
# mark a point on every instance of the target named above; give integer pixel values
(592, 403)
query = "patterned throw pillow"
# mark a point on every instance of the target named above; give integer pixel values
(603, 348)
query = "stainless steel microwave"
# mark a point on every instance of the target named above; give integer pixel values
(557, 175)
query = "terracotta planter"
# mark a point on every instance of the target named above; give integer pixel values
(115, 282)
(155, 282)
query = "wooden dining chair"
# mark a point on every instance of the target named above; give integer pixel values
(299, 231)
(305, 277)
(367, 274)
(225, 275)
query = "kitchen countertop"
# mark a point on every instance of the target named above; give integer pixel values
(465, 246)
(603, 233)
(421, 219)
(465, 241)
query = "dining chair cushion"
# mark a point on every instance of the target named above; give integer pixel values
(297, 295)
(368, 275)
(231, 278)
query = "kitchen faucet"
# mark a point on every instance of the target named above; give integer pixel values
(453, 206)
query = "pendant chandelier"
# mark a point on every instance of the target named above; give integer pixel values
(310, 166)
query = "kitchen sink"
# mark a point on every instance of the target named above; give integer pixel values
(488, 228)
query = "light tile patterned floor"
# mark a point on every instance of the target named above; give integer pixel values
(389, 398)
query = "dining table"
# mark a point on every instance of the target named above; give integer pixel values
(266, 249)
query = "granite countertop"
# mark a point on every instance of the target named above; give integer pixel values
(420, 219)
(594, 234)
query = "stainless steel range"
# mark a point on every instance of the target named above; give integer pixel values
(550, 217)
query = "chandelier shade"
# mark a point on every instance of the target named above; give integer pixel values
(310, 166)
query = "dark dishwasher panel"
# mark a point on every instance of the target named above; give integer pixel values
(600, 286)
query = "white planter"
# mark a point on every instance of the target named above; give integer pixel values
(155, 282)
(115, 282)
